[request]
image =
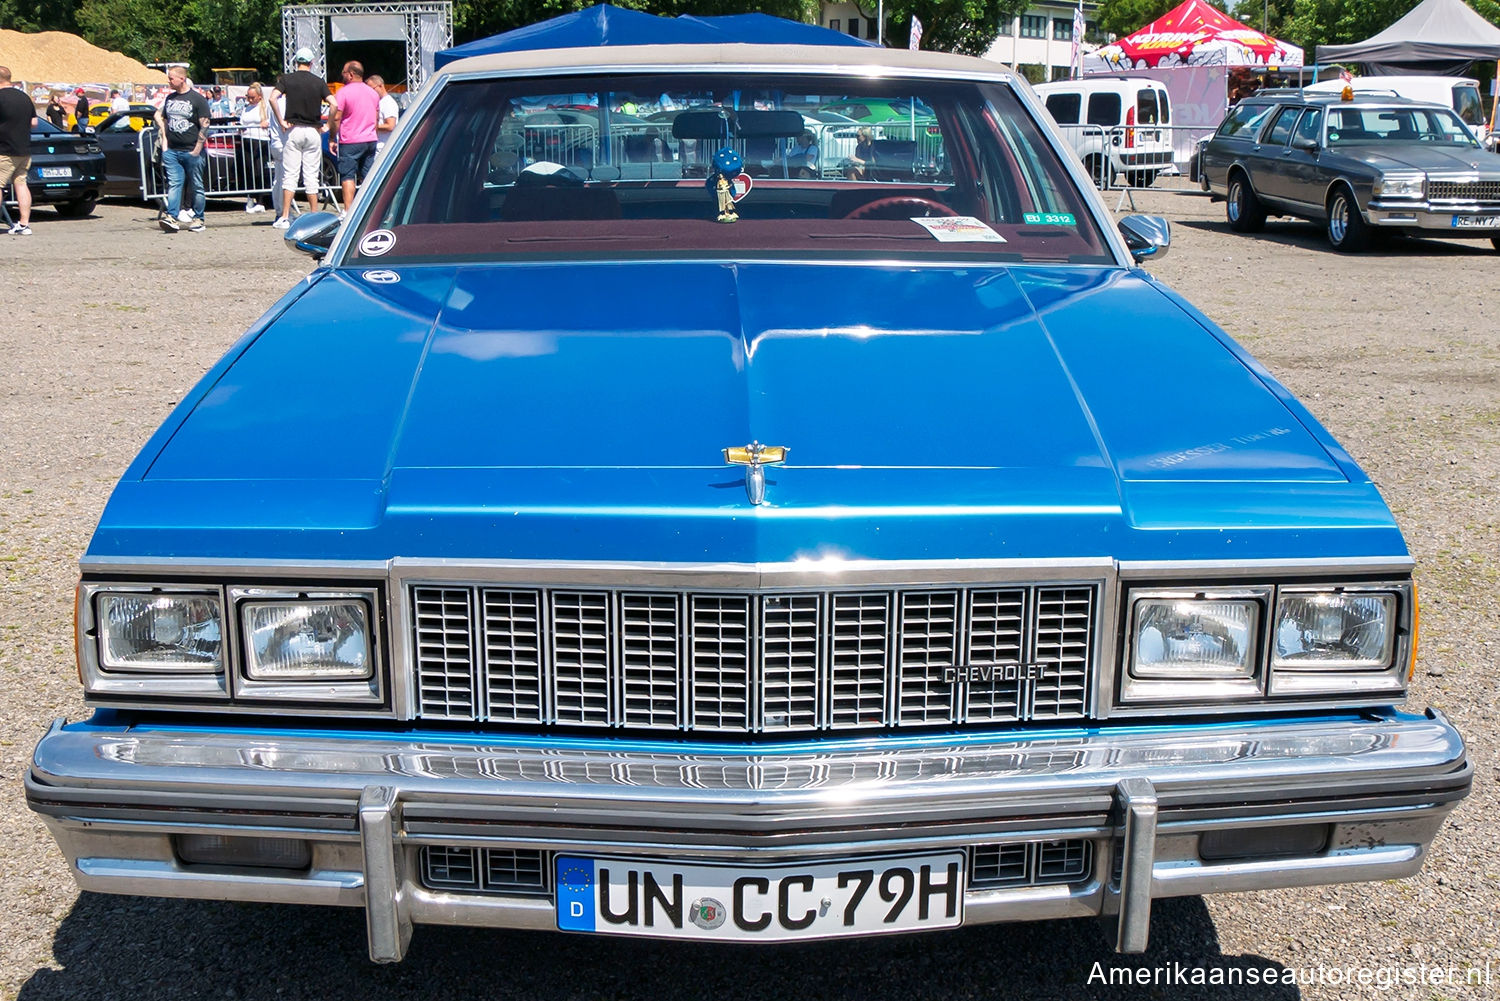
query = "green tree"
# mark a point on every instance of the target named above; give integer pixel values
(38, 15)
(966, 26)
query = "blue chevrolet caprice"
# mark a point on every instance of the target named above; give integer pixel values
(643, 523)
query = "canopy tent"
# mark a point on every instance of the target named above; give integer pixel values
(606, 25)
(1193, 34)
(1438, 36)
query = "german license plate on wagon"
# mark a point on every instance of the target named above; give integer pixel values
(1476, 222)
(759, 903)
(56, 171)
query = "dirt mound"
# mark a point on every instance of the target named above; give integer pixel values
(58, 57)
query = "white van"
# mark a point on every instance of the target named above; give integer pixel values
(1107, 120)
(1456, 92)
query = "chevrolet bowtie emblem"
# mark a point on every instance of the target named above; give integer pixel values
(754, 457)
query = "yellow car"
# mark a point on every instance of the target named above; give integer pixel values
(141, 115)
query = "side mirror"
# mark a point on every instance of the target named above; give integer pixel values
(313, 233)
(1146, 236)
(1306, 145)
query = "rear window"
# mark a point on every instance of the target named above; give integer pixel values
(1145, 108)
(1104, 109)
(1064, 108)
(600, 167)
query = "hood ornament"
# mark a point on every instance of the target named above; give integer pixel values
(755, 457)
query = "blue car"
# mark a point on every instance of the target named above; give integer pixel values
(681, 554)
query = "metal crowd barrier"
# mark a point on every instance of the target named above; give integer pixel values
(238, 163)
(1139, 157)
(648, 152)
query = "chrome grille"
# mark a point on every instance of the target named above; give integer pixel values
(1463, 191)
(754, 662)
(483, 870)
(1030, 863)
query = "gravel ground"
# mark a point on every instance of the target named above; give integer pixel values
(109, 321)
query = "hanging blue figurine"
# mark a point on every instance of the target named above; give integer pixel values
(727, 164)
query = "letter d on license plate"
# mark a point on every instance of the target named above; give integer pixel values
(612, 896)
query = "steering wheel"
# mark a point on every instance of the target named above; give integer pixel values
(899, 207)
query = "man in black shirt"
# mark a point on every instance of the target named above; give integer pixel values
(302, 150)
(17, 117)
(182, 118)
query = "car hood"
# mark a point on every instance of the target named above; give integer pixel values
(1412, 156)
(548, 410)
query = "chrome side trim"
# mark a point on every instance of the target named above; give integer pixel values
(1149, 569)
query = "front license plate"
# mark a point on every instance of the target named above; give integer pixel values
(754, 903)
(1476, 222)
(56, 171)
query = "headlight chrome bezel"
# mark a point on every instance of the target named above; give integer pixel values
(1138, 686)
(1277, 684)
(99, 680)
(230, 686)
(1400, 186)
(365, 690)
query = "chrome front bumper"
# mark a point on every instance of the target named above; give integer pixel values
(1426, 216)
(114, 797)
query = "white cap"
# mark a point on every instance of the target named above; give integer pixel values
(303, 57)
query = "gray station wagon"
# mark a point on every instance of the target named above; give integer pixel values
(1354, 165)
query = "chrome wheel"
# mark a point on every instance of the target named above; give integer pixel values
(1347, 230)
(1234, 206)
(1338, 221)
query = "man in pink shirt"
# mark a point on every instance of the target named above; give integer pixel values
(356, 107)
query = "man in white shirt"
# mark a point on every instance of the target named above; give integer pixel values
(118, 102)
(385, 118)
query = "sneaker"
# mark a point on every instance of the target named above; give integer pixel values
(20, 229)
(196, 226)
(168, 224)
(281, 223)
(185, 215)
(254, 207)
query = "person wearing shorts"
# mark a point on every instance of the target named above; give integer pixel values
(17, 118)
(355, 113)
(301, 117)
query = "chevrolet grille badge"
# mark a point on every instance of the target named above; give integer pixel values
(754, 457)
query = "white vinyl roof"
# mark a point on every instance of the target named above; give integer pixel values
(859, 60)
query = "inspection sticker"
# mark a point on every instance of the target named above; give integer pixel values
(1049, 219)
(958, 229)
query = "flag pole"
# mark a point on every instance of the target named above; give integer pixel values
(880, 22)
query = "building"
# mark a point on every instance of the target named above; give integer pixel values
(851, 19)
(1039, 42)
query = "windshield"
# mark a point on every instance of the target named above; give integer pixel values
(1415, 125)
(818, 165)
(1466, 103)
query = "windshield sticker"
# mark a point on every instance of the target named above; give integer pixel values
(958, 229)
(377, 243)
(1049, 219)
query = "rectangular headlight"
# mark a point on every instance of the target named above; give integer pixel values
(1194, 638)
(1199, 644)
(1320, 631)
(1400, 186)
(160, 632)
(313, 640)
